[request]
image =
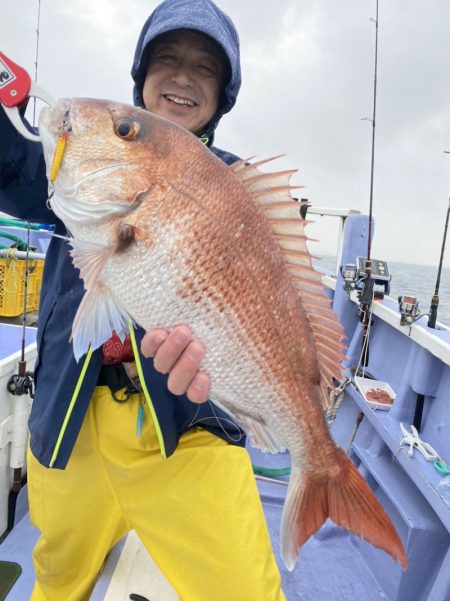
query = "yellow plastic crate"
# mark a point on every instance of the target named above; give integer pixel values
(12, 285)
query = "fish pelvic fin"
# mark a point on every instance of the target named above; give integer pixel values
(99, 312)
(347, 499)
(272, 193)
(97, 317)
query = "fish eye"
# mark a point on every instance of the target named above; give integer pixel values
(126, 128)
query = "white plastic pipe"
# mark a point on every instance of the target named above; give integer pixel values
(21, 412)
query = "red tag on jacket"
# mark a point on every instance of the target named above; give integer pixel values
(114, 351)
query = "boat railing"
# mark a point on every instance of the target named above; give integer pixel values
(342, 214)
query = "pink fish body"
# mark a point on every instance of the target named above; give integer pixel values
(164, 233)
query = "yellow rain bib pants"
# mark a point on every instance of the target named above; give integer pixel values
(198, 513)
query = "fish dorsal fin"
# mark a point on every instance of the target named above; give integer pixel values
(99, 312)
(271, 192)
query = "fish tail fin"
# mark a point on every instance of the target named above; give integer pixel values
(345, 497)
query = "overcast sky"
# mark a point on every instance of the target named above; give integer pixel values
(308, 68)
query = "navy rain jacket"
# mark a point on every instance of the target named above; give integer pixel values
(23, 194)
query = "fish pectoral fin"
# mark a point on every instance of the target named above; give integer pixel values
(260, 435)
(97, 316)
(90, 258)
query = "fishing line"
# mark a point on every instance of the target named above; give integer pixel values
(429, 194)
(272, 480)
(338, 392)
(261, 473)
(219, 420)
(365, 345)
(51, 191)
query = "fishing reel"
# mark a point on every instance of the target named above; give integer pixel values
(18, 385)
(409, 310)
(370, 278)
(349, 273)
(22, 382)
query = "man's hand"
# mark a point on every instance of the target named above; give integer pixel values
(178, 355)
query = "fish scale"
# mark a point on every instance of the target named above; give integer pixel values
(223, 250)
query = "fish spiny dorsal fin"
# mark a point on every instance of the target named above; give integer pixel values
(271, 192)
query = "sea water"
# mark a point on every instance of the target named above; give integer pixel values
(413, 280)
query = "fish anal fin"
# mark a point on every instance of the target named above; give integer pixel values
(260, 435)
(342, 495)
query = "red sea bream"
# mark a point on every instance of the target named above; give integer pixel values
(164, 233)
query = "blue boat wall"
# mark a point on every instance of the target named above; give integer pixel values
(413, 360)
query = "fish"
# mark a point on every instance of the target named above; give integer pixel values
(165, 233)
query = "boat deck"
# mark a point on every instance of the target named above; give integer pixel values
(329, 565)
(415, 362)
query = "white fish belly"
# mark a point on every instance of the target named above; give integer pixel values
(148, 283)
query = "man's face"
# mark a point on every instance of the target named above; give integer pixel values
(183, 79)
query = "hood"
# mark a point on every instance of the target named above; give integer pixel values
(202, 16)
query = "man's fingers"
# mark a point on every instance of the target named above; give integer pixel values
(198, 390)
(152, 341)
(184, 371)
(171, 349)
(178, 355)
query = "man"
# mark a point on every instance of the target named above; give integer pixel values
(179, 483)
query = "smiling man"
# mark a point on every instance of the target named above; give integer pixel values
(185, 75)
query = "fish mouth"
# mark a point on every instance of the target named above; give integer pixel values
(53, 123)
(57, 118)
(180, 100)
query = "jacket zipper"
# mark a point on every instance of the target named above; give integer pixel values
(73, 400)
(147, 396)
(76, 392)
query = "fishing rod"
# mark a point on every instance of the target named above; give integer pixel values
(37, 58)
(435, 299)
(418, 412)
(21, 383)
(367, 293)
(372, 163)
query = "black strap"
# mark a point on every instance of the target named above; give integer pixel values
(116, 378)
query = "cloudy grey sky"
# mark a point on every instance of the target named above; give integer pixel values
(308, 70)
